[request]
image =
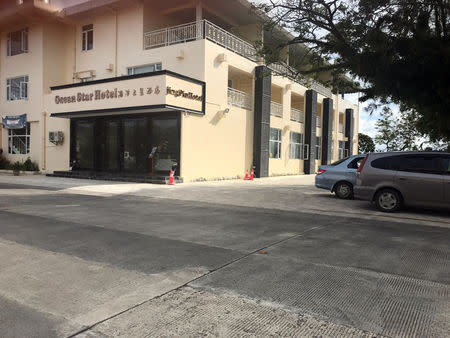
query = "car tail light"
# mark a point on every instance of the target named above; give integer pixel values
(362, 163)
(320, 171)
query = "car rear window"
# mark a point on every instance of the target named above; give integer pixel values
(340, 161)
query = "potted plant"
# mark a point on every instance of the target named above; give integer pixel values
(16, 168)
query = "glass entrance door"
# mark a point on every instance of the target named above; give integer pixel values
(139, 144)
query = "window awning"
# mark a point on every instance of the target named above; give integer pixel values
(15, 122)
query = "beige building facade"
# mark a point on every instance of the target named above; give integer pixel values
(139, 88)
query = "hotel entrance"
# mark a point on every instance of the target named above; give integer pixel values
(147, 144)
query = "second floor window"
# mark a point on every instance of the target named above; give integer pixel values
(17, 42)
(154, 67)
(88, 37)
(17, 88)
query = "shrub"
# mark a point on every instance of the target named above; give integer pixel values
(17, 166)
(4, 163)
(30, 165)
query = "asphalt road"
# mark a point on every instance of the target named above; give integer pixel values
(160, 264)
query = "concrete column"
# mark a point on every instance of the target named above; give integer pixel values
(349, 127)
(263, 83)
(310, 130)
(327, 130)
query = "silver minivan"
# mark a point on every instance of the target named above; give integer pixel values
(392, 180)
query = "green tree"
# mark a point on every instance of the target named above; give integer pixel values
(398, 49)
(365, 144)
(407, 133)
(386, 128)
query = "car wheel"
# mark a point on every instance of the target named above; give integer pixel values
(388, 200)
(344, 190)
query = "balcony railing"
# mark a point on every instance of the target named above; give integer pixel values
(276, 109)
(239, 99)
(341, 128)
(297, 115)
(196, 31)
(204, 29)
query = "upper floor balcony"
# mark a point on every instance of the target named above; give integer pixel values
(204, 29)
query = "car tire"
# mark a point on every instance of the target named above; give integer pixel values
(343, 190)
(388, 200)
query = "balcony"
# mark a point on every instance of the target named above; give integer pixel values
(297, 115)
(197, 31)
(276, 109)
(318, 121)
(205, 29)
(239, 99)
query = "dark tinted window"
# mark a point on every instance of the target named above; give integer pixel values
(446, 163)
(386, 163)
(428, 164)
(355, 163)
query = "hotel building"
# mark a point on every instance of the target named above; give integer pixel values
(139, 87)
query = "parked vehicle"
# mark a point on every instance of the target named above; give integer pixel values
(392, 180)
(339, 177)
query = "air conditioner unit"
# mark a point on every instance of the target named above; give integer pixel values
(56, 137)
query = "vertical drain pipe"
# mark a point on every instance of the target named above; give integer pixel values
(44, 139)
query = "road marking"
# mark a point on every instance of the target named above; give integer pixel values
(66, 205)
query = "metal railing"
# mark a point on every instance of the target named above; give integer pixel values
(205, 29)
(297, 115)
(276, 109)
(239, 99)
(196, 31)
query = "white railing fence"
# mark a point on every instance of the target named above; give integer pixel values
(297, 115)
(276, 109)
(318, 121)
(199, 30)
(239, 99)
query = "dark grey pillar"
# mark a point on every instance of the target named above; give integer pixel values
(263, 83)
(327, 130)
(310, 130)
(349, 130)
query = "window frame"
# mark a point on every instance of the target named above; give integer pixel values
(132, 70)
(277, 142)
(23, 87)
(85, 30)
(295, 145)
(23, 42)
(27, 137)
(318, 145)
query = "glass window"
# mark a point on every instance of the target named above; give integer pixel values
(296, 146)
(341, 152)
(19, 140)
(318, 147)
(355, 163)
(427, 164)
(17, 88)
(154, 67)
(87, 42)
(275, 143)
(17, 42)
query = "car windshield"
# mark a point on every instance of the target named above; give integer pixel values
(340, 161)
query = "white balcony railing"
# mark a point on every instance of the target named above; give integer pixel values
(297, 115)
(276, 109)
(239, 99)
(204, 29)
(196, 31)
(341, 128)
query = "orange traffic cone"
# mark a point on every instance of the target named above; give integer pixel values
(246, 175)
(252, 174)
(171, 180)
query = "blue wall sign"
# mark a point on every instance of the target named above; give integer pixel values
(15, 122)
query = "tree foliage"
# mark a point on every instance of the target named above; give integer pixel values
(387, 130)
(365, 144)
(398, 49)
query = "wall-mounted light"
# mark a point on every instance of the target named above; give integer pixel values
(222, 57)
